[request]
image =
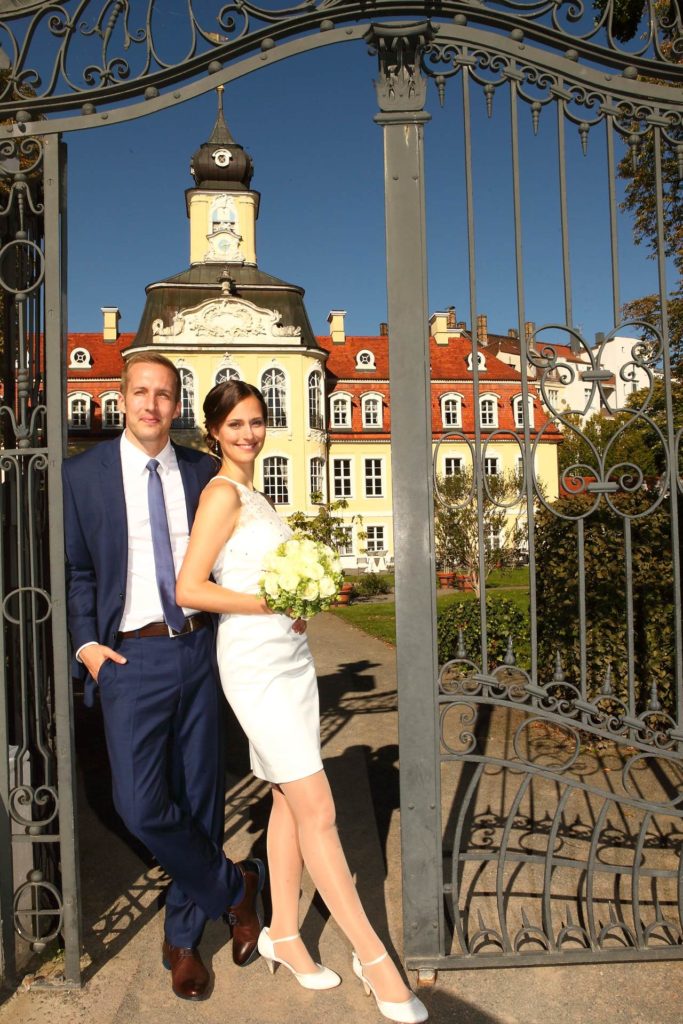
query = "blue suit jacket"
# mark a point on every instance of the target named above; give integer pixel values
(96, 536)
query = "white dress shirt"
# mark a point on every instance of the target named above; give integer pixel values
(143, 604)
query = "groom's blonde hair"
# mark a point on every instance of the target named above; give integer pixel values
(150, 357)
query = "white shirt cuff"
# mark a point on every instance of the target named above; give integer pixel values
(90, 643)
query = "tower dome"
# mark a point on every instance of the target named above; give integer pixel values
(221, 163)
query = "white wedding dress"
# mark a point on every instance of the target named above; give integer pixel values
(266, 669)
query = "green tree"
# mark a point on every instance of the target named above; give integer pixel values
(327, 525)
(456, 523)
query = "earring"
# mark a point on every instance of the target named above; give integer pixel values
(216, 447)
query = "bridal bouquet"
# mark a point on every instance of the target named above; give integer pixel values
(301, 577)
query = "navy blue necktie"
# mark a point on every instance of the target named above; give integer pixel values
(163, 553)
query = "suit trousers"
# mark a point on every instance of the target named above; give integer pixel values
(162, 719)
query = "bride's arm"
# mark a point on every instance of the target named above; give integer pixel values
(214, 523)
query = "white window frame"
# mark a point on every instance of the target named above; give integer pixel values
(372, 396)
(335, 461)
(284, 402)
(321, 489)
(284, 462)
(317, 390)
(341, 400)
(374, 478)
(105, 398)
(188, 399)
(481, 362)
(451, 396)
(80, 396)
(371, 541)
(518, 411)
(491, 459)
(347, 547)
(226, 372)
(83, 363)
(455, 469)
(494, 400)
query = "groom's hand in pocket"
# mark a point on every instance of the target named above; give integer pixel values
(94, 656)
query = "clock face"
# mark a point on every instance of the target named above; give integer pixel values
(222, 157)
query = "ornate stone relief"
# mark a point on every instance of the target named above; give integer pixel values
(226, 319)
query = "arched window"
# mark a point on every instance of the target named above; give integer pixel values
(315, 400)
(341, 412)
(451, 410)
(112, 419)
(518, 406)
(372, 412)
(225, 374)
(79, 411)
(276, 479)
(274, 388)
(481, 362)
(187, 410)
(488, 411)
(317, 480)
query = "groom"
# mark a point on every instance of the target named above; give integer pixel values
(128, 508)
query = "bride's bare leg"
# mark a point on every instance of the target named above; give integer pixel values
(312, 807)
(285, 866)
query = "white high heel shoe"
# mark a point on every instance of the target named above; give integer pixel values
(408, 1011)
(320, 979)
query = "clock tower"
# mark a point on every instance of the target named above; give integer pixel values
(222, 208)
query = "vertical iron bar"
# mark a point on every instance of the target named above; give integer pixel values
(580, 543)
(521, 318)
(630, 639)
(55, 357)
(413, 513)
(564, 217)
(613, 228)
(671, 431)
(478, 464)
(7, 951)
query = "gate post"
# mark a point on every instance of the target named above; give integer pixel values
(401, 92)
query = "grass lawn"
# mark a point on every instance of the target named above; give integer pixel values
(378, 618)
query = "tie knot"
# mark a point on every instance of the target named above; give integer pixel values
(153, 465)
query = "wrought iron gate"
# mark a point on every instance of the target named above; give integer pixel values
(493, 756)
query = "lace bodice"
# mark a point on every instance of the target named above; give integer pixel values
(259, 529)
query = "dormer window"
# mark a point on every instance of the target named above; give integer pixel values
(451, 406)
(365, 360)
(372, 412)
(518, 406)
(340, 409)
(481, 362)
(488, 411)
(80, 359)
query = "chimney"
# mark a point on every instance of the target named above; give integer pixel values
(383, 329)
(512, 332)
(461, 325)
(110, 329)
(529, 328)
(438, 328)
(336, 322)
(451, 322)
(482, 329)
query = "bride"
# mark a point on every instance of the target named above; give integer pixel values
(269, 679)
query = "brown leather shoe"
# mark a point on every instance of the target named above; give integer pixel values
(246, 917)
(189, 976)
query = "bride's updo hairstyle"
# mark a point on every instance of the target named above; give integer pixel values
(220, 402)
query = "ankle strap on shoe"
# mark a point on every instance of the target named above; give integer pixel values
(287, 938)
(371, 963)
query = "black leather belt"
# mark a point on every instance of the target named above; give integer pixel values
(192, 624)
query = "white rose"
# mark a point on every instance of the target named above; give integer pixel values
(311, 592)
(271, 586)
(327, 587)
(289, 581)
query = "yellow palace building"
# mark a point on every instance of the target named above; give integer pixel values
(328, 397)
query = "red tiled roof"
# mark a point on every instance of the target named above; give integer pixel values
(106, 355)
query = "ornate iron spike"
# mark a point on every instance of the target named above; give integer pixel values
(679, 158)
(583, 134)
(570, 918)
(441, 88)
(634, 143)
(606, 688)
(535, 115)
(488, 93)
(509, 658)
(558, 674)
(461, 652)
(481, 922)
(654, 703)
(525, 920)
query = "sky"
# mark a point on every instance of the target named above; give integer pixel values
(308, 124)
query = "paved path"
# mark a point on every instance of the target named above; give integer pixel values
(125, 983)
